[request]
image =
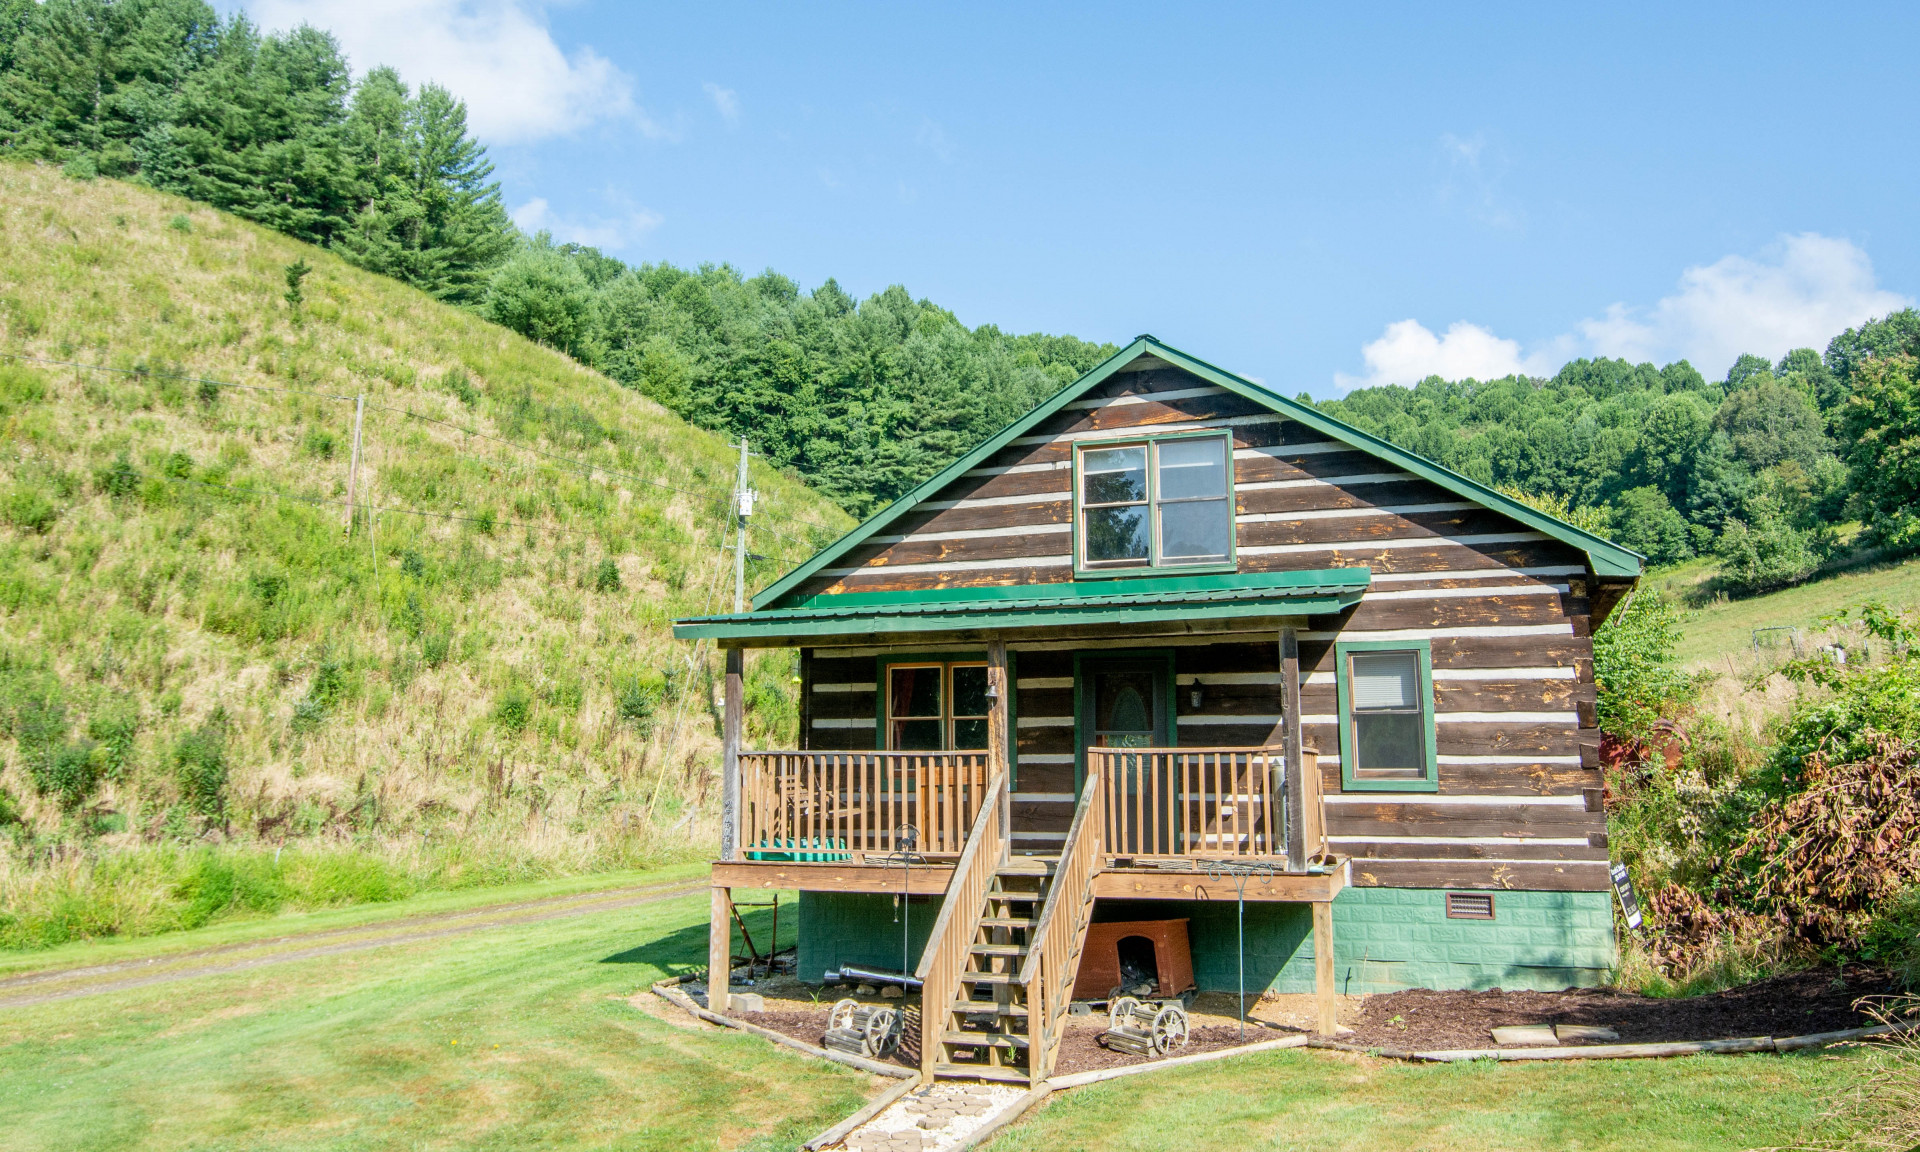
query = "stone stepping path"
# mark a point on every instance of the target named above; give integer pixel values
(935, 1118)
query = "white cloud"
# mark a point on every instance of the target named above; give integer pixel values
(1408, 352)
(606, 233)
(726, 100)
(1802, 292)
(1806, 290)
(497, 55)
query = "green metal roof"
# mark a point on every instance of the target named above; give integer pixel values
(1212, 597)
(1607, 558)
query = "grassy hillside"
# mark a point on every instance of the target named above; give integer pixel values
(1715, 628)
(486, 688)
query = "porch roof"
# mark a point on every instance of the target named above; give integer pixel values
(1311, 592)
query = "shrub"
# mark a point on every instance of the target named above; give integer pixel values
(1764, 553)
(119, 479)
(606, 576)
(178, 465)
(68, 772)
(513, 709)
(30, 511)
(456, 381)
(636, 699)
(180, 223)
(9, 809)
(200, 766)
(115, 726)
(1633, 667)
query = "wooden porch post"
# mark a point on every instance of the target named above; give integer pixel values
(1326, 1000)
(1296, 765)
(999, 692)
(730, 757)
(720, 949)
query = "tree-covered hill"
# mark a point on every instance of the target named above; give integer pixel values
(1759, 467)
(192, 646)
(864, 400)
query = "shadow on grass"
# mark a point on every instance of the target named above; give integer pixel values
(685, 950)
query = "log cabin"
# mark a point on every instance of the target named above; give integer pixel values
(1174, 648)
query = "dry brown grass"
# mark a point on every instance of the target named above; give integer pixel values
(155, 597)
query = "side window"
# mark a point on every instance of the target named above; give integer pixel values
(934, 707)
(1165, 503)
(1386, 716)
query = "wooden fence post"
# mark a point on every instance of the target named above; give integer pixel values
(1325, 997)
(720, 949)
(730, 756)
(999, 694)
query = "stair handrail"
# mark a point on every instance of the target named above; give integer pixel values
(953, 930)
(1050, 945)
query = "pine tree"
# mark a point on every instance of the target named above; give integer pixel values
(432, 218)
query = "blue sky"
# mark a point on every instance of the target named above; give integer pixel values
(1316, 199)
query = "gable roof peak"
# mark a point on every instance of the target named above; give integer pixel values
(1606, 558)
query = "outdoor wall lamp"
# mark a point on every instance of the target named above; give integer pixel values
(1196, 695)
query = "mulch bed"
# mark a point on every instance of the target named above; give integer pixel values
(1080, 1049)
(1795, 1004)
(810, 1025)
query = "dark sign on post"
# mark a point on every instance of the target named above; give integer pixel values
(1629, 903)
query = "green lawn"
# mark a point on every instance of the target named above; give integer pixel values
(514, 1037)
(1715, 630)
(520, 1036)
(1319, 1101)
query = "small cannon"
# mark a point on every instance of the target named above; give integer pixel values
(858, 1029)
(1144, 1028)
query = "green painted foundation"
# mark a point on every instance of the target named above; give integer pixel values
(861, 928)
(1384, 939)
(1387, 939)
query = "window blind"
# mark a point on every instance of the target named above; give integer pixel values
(1385, 680)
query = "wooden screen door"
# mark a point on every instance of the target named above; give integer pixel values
(1126, 703)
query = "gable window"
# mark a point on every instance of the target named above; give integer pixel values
(935, 706)
(1386, 716)
(1162, 502)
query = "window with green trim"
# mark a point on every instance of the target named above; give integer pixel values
(936, 706)
(1386, 715)
(1157, 502)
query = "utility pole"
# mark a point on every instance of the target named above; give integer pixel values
(743, 504)
(353, 469)
(734, 719)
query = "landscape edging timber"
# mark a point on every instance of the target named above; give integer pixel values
(1623, 1051)
(667, 990)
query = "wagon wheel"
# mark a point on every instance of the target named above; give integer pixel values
(1120, 1009)
(1169, 1029)
(841, 1016)
(883, 1032)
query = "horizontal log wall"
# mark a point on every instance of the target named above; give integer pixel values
(1505, 609)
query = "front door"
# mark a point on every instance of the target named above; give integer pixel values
(1125, 702)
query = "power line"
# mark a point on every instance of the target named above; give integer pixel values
(401, 510)
(172, 376)
(586, 468)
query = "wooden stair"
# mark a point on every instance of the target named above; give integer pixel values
(985, 1033)
(999, 966)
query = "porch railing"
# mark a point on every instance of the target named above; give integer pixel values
(1220, 802)
(843, 805)
(1053, 955)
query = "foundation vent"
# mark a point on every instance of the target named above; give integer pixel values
(1469, 905)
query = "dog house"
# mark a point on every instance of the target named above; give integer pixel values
(1117, 953)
